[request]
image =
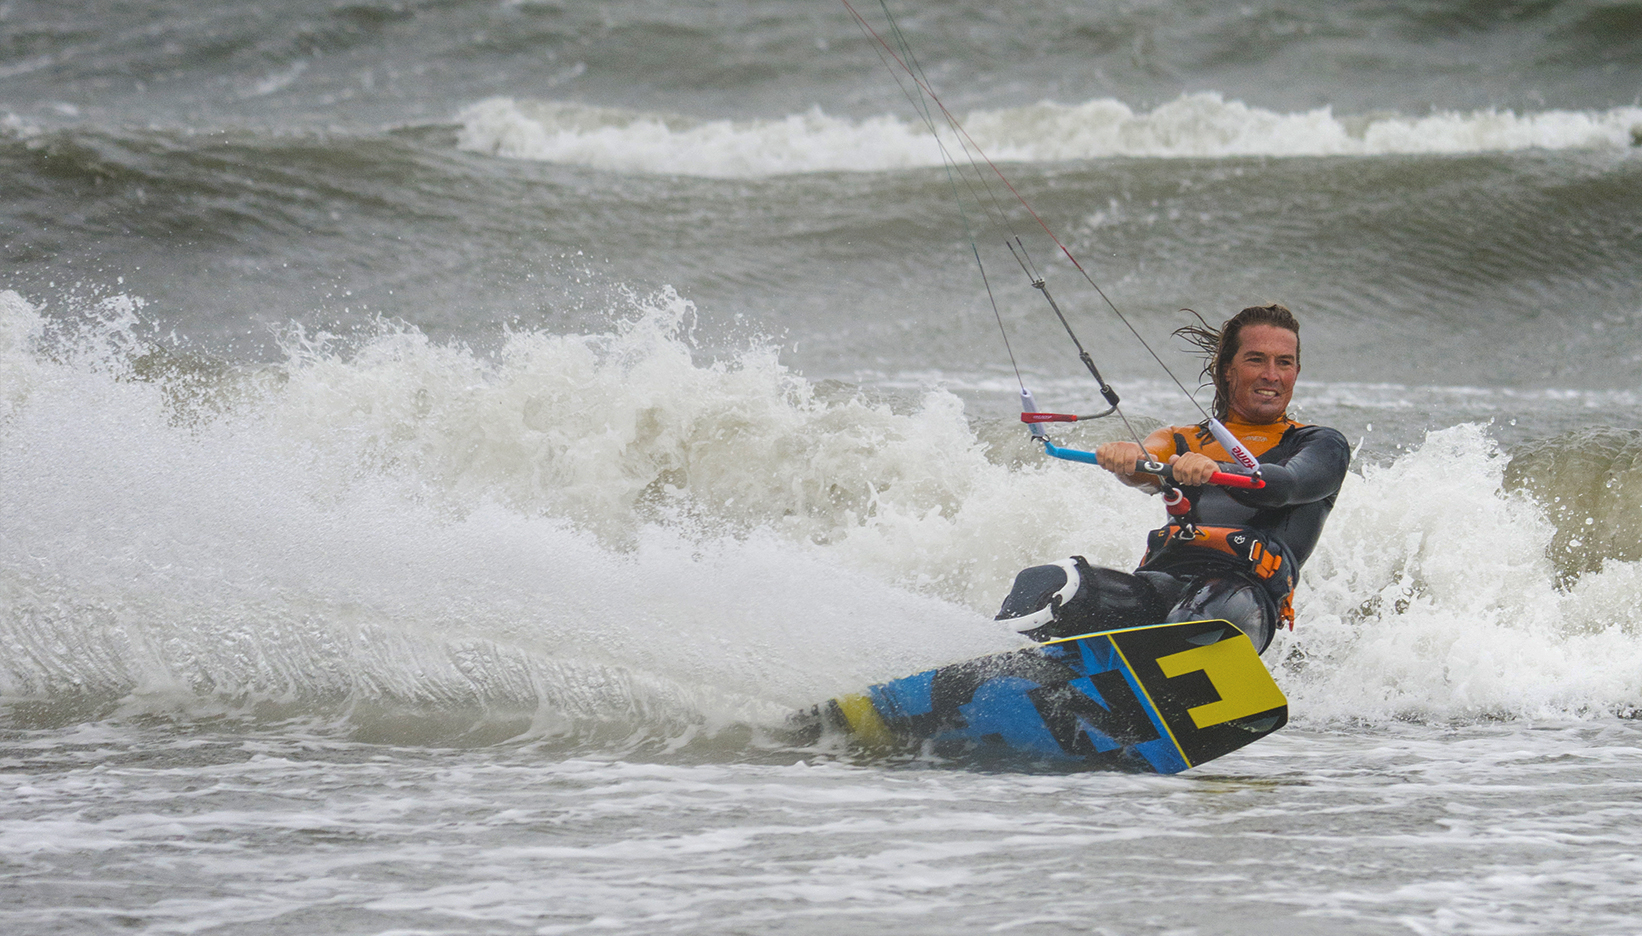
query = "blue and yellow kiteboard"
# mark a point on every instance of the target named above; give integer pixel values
(1163, 698)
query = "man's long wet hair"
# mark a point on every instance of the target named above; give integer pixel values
(1220, 345)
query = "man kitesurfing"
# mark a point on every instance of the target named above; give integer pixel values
(1156, 669)
(1233, 553)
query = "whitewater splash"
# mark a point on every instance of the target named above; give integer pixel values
(598, 536)
(1203, 125)
(1434, 594)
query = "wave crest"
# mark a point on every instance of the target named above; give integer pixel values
(1203, 125)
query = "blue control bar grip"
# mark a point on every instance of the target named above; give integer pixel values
(1070, 454)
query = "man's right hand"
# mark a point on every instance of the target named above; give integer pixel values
(1120, 459)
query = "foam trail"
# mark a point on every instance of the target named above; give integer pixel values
(1203, 125)
(338, 540)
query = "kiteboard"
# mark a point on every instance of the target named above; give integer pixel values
(1160, 698)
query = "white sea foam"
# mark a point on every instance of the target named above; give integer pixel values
(599, 529)
(1194, 125)
(412, 526)
(1433, 593)
(14, 126)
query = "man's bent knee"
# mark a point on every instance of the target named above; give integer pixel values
(1071, 597)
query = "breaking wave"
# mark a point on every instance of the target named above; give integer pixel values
(1203, 125)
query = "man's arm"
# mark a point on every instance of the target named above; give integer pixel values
(1310, 474)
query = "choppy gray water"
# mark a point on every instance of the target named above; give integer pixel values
(439, 442)
(1489, 829)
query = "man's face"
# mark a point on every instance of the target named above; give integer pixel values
(1262, 375)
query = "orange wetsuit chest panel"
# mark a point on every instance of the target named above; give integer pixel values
(1257, 438)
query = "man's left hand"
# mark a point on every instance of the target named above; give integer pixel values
(1193, 468)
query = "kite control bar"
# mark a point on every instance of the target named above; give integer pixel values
(1227, 441)
(1222, 478)
(1166, 472)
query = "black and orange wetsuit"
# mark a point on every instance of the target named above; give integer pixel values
(1302, 467)
(1242, 561)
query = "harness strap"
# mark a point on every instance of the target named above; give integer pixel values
(1248, 548)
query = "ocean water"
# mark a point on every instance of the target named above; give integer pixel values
(441, 442)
